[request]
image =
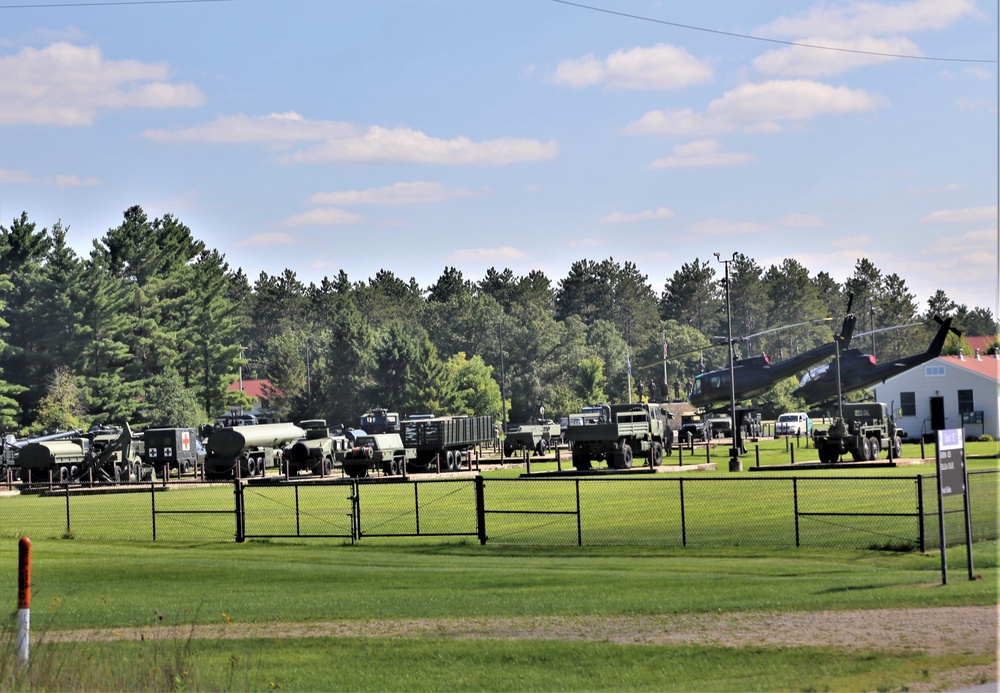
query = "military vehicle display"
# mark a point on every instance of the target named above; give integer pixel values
(444, 440)
(536, 437)
(243, 451)
(170, 448)
(316, 451)
(12, 446)
(105, 454)
(622, 432)
(864, 430)
(706, 426)
(858, 370)
(383, 451)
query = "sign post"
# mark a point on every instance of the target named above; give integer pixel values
(23, 600)
(952, 481)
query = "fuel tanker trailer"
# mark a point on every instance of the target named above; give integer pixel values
(247, 450)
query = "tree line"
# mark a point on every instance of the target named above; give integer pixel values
(152, 327)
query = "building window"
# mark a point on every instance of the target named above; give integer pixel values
(908, 403)
(933, 371)
(966, 403)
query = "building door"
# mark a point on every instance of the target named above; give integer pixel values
(937, 414)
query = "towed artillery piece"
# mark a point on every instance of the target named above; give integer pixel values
(444, 440)
(537, 437)
(383, 451)
(12, 446)
(105, 455)
(244, 451)
(315, 452)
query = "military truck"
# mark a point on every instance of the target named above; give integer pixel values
(383, 451)
(316, 451)
(247, 450)
(865, 430)
(444, 440)
(379, 420)
(537, 437)
(622, 432)
(170, 448)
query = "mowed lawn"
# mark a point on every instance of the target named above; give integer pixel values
(91, 585)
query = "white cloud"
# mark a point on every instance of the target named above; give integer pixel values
(862, 17)
(700, 154)
(801, 61)
(624, 218)
(759, 107)
(20, 177)
(275, 128)
(659, 67)
(954, 216)
(503, 254)
(323, 216)
(266, 239)
(587, 242)
(411, 193)
(979, 73)
(65, 84)
(378, 144)
(340, 142)
(720, 227)
(803, 221)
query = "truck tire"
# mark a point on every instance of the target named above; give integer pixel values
(508, 450)
(897, 447)
(626, 456)
(542, 448)
(580, 460)
(876, 447)
(655, 454)
(866, 449)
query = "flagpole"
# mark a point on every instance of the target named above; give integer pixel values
(666, 383)
(628, 360)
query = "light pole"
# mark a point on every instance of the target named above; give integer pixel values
(734, 451)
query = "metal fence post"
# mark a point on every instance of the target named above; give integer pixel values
(684, 534)
(240, 520)
(481, 508)
(69, 531)
(920, 513)
(579, 524)
(152, 503)
(795, 499)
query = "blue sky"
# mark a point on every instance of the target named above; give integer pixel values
(412, 135)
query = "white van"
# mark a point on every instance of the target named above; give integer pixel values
(796, 423)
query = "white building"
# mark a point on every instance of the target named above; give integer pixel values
(946, 392)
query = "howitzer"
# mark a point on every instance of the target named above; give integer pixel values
(107, 458)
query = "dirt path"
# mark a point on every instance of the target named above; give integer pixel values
(933, 630)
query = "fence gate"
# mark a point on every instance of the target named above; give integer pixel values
(288, 510)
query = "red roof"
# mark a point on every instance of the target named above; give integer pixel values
(981, 343)
(253, 388)
(988, 366)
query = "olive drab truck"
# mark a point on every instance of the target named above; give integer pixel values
(865, 429)
(243, 451)
(383, 451)
(536, 437)
(622, 432)
(170, 448)
(316, 451)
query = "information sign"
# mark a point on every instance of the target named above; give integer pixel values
(951, 462)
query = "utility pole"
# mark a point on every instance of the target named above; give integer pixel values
(734, 452)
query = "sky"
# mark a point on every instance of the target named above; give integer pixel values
(416, 135)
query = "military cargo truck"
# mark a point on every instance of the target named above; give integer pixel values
(622, 432)
(444, 440)
(537, 437)
(383, 451)
(865, 430)
(379, 420)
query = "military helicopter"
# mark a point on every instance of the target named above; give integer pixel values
(858, 370)
(756, 375)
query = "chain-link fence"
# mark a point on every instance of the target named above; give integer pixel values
(654, 510)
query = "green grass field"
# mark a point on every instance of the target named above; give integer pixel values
(196, 576)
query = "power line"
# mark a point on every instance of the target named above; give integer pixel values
(770, 40)
(106, 3)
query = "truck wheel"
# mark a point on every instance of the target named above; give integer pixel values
(508, 450)
(656, 454)
(876, 447)
(866, 449)
(542, 448)
(627, 456)
(581, 461)
(897, 447)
